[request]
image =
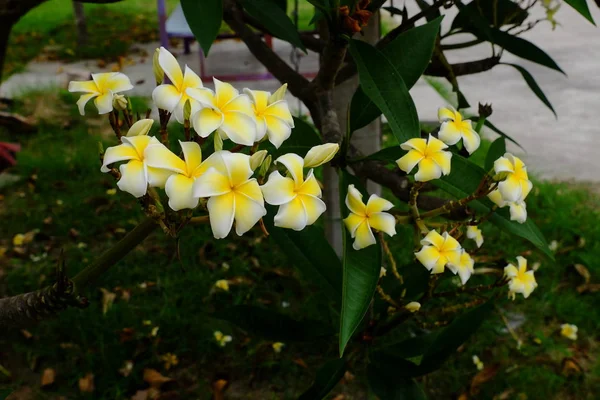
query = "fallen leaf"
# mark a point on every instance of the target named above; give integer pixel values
(584, 272)
(588, 287)
(127, 368)
(219, 387)
(571, 367)
(483, 376)
(140, 395)
(507, 394)
(300, 362)
(26, 334)
(86, 384)
(108, 298)
(48, 377)
(22, 393)
(154, 378)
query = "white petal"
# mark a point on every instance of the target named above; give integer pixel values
(278, 190)
(247, 213)
(166, 97)
(294, 164)
(169, 64)
(206, 121)
(179, 191)
(221, 211)
(104, 103)
(83, 100)
(134, 179)
(141, 127)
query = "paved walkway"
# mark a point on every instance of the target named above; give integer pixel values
(563, 148)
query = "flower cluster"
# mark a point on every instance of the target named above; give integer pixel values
(513, 188)
(227, 179)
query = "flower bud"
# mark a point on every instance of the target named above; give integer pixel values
(257, 159)
(501, 176)
(218, 141)
(320, 155)
(119, 102)
(159, 74)
(413, 306)
(187, 110)
(485, 110)
(140, 128)
(264, 168)
(279, 94)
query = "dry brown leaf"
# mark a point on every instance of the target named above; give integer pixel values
(86, 384)
(219, 387)
(22, 393)
(588, 287)
(583, 271)
(506, 395)
(154, 378)
(108, 298)
(48, 377)
(571, 367)
(300, 362)
(348, 376)
(141, 395)
(483, 376)
(26, 334)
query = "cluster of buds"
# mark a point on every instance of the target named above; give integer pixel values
(359, 18)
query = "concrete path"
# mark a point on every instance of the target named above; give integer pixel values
(563, 148)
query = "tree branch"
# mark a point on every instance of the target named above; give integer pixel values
(466, 68)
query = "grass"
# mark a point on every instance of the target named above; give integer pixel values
(65, 202)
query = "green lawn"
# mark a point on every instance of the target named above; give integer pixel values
(65, 203)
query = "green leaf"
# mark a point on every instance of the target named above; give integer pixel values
(513, 44)
(382, 82)
(497, 149)
(533, 86)
(493, 127)
(272, 325)
(451, 337)
(326, 378)
(204, 18)
(275, 20)
(361, 272)
(463, 181)
(388, 386)
(389, 154)
(410, 53)
(310, 252)
(303, 138)
(409, 348)
(503, 11)
(582, 8)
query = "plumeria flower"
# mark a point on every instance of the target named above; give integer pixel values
(299, 198)
(136, 175)
(172, 97)
(569, 331)
(179, 185)
(225, 110)
(516, 186)
(429, 155)
(454, 127)
(102, 87)
(518, 209)
(521, 280)
(478, 363)
(273, 116)
(413, 306)
(364, 217)
(438, 251)
(277, 347)
(233, 195)
(222, 339)
(320, 155)
(464, 268)
(474, 233)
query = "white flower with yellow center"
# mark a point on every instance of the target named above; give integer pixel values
(135, 174)
(363, 217)
(233, 195)
(226, 111)
(222, 339)
(521, 280)
(179, 185)
(299, 199)
(516, 186)
(438, 251)
(454, 127)
(518, 209)
(464, 268)
(429, 155)
(102, 89)
(474, 233)
(272, 114)
(569, 331)
(172, 97)
(320, 155)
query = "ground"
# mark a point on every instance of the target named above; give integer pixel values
(165, 300)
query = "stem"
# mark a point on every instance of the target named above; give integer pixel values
(481, 191)
(386, 297)
(387, 251)
(414, 194)
(114, 254)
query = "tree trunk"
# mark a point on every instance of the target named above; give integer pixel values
(5, 28)
(82, 35)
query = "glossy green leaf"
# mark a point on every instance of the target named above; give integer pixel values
(533, 86)
(303, 138)
(204, 18)
(409, 53)
(275, 20)
(326, 378)
(361, 272)
(502, 11)
(497, 149)
(454, 335)
(310, 252)
(493, 127)
(463, 181)
(389, 154)
(388, 386)
(513, 44)
(582, 8)
(272, 325)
